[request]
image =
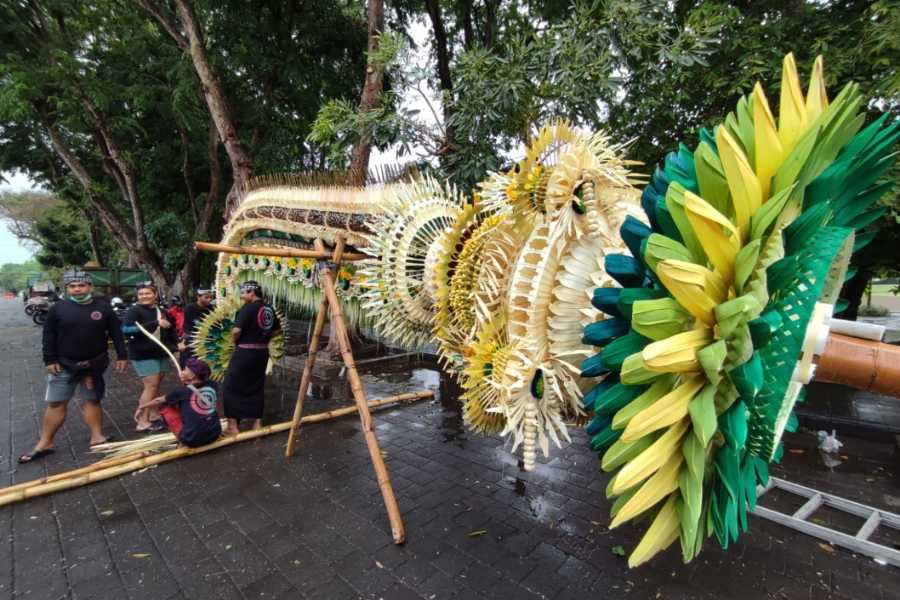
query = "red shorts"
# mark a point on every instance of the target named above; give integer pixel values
(172, 416)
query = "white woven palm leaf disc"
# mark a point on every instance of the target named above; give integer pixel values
(396, 300)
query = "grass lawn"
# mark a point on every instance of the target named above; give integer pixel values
(883, 289)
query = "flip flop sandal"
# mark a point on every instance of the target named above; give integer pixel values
(157, 426)
(27, 458)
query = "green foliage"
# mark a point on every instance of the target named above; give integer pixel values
(17, 276)
(278, 61)
(339, 122)
(64, 240)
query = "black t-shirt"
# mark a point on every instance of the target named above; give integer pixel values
(193, 314)
(140, 347)
(81, 331)
(257, 322)
(199, 421)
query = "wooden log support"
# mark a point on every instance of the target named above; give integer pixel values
(106, 469)
(339, 328)
(277, 251)
(310, 361)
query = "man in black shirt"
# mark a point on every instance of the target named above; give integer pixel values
(244, 385)
(75, 344)
(193, 314)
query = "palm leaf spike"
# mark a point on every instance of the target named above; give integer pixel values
(713, 264)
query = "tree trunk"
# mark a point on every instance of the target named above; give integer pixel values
(468, 28)
(443, 69)
(374, 83)
(218, 104)
(129, 237)
(490, 22)
(190, 39)
(94, 232)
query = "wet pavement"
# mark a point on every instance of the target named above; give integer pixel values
(243, 522)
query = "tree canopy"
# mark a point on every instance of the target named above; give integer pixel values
(144, 117)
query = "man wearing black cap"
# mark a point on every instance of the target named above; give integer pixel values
(193, 314)
(244, 386)
(75, 342)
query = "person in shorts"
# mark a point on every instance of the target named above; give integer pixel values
(190, 411)
(149, 361)
(75, 348)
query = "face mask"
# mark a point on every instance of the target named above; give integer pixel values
(81, 298)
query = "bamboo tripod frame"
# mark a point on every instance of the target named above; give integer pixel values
(330, 306)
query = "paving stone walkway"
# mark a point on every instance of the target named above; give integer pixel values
(243, 522)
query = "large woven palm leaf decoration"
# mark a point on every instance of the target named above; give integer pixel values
(520, 293)
(725, 299)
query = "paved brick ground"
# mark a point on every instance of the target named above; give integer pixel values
(242, 522)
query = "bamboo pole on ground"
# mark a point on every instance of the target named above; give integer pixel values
(107, 469)
(384, 481)
(313, 350)
(277, 251)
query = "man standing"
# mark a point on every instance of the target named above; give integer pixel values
(193, 314)
(75, 344)
(245, 379)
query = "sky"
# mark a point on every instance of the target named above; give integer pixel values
(11, 249)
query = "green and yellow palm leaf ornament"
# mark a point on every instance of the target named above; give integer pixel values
(725, 300)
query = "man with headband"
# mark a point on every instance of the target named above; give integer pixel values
(75, 342)
(245, 379)
(193, 314)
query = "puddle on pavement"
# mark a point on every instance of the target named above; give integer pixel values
(330, 388)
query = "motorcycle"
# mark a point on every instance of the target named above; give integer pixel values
(36, 303)
(39, 314)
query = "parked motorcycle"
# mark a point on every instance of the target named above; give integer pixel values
(39, 314)
(33, 304)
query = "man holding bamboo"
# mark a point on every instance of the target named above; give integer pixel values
(75, 346)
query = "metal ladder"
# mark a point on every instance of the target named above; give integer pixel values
(858, 543)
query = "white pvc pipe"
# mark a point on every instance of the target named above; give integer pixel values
(857, 329)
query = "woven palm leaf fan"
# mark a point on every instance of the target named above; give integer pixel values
(724, 300)
(442, 265)
(212, 341)
(397, 300)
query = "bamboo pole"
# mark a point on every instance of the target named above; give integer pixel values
(862, 364)
(384, 481)
(277, 251)
(106, 469)
(294, 433)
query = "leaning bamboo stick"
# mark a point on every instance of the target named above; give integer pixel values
(159, 343)
(107, 469)
(294, 432)
(359, 394)
(276, 251)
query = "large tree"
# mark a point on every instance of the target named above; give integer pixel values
(149, 121)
